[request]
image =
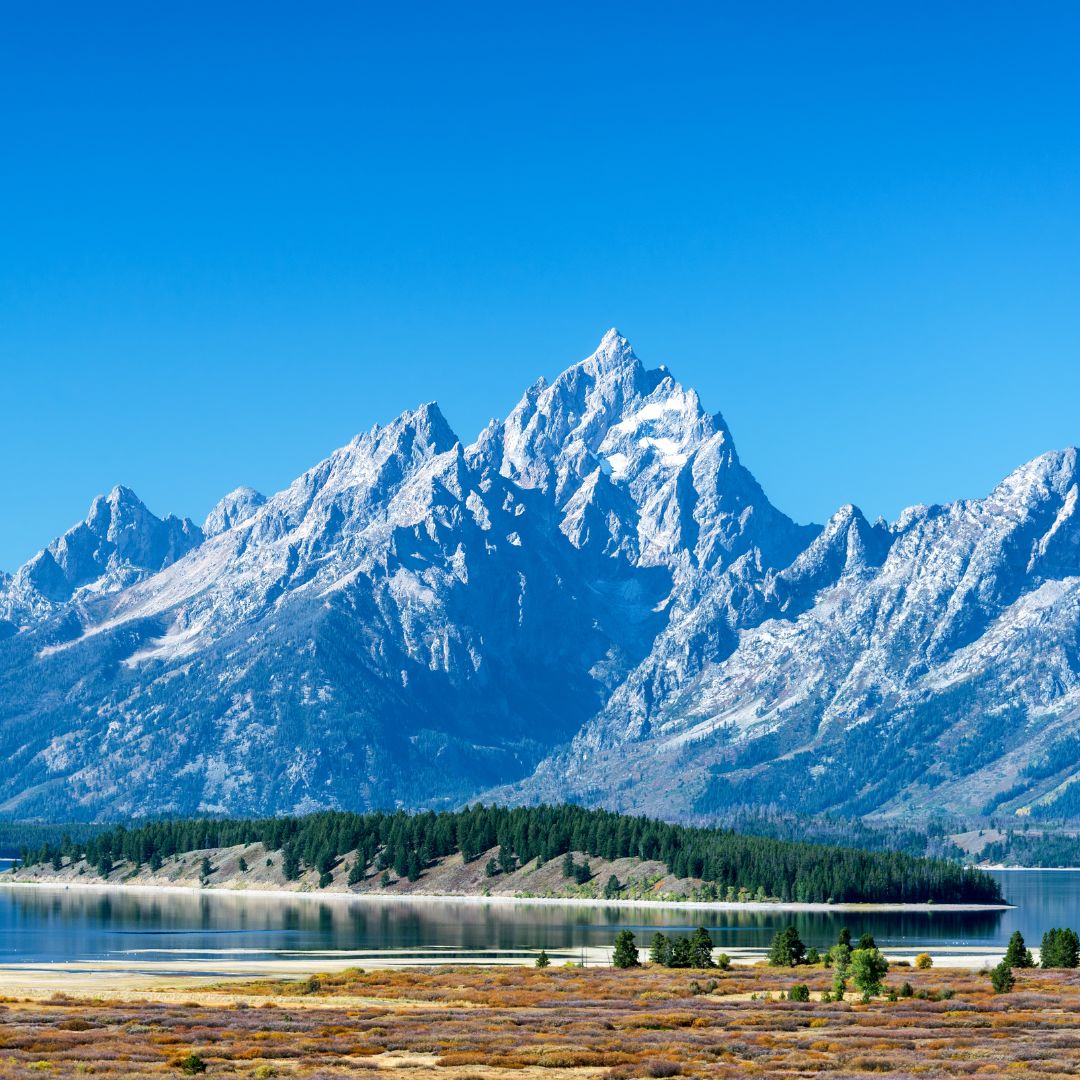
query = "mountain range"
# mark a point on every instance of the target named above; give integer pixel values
(594, 601)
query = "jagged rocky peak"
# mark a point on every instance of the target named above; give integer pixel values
(556, 433)
(117, 543)
(608, 424)
(235, 508)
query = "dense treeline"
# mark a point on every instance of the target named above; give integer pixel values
(18, 837)
(730, 864)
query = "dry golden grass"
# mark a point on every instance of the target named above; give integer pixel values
(484, 1022)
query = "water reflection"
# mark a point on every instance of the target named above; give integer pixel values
(50, 925)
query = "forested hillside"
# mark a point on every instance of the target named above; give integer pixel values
(728, 864)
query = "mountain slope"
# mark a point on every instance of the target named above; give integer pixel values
(594, 600)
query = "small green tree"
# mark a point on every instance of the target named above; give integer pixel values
(787, 949)
(356, 872)
(612, 888)
(866, 942)
(868, 968)
(242, 865)
(491, 867)
(1060, 949)
(844, 937)
(841, 961)
(701, 948)
(582, 873)
(625, 954)
(1018, 955)
(682, 953)
(542, 960)
(384, 880)
(813, 957)
(568, 865)
(799, 992)
(1002, 978)
(723, 961)
(325, 879)
(205, 869)
(660, 950)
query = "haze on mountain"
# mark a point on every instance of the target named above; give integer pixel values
(593, 601)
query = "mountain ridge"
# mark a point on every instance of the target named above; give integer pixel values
(593, 600)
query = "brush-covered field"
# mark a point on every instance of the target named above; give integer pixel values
(481, 1022)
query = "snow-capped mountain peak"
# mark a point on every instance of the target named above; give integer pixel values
(414, 623)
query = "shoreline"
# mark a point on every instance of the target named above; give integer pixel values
(338, 896)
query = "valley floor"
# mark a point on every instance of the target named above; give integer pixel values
(560, 1022)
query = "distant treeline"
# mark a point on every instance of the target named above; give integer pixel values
(783, 824)
(19, 836)
(1033, 849)
(726, 861)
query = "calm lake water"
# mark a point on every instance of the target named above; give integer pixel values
(44, 926)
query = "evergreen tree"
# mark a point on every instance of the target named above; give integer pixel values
(660, 950)
(290, 864)
(787, 949)
(1060, 949)
(1018, 955)
(568, 865)
(1002, 978)
(356, 872)
(701, 948)
(611, 889)
(866, 942)
(542, 960)
(625, 954)
(507, 862)
(242, 865)
(682, 953)
(491, 867)
(844, 937)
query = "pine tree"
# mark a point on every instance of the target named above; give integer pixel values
(611, 889)
(542, 960)
(701, 947)
(625, 954)
(1060, 949)
(1002, 978)
(660, 950)
(787, 949)
(1018, 955)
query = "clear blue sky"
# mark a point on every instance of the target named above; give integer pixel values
(231, 236)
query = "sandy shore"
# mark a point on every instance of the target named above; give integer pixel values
(332, 895)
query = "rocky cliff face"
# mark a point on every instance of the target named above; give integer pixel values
(593, 600)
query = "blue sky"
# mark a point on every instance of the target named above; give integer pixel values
(231, 236)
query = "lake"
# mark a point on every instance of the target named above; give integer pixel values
(51, 925)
